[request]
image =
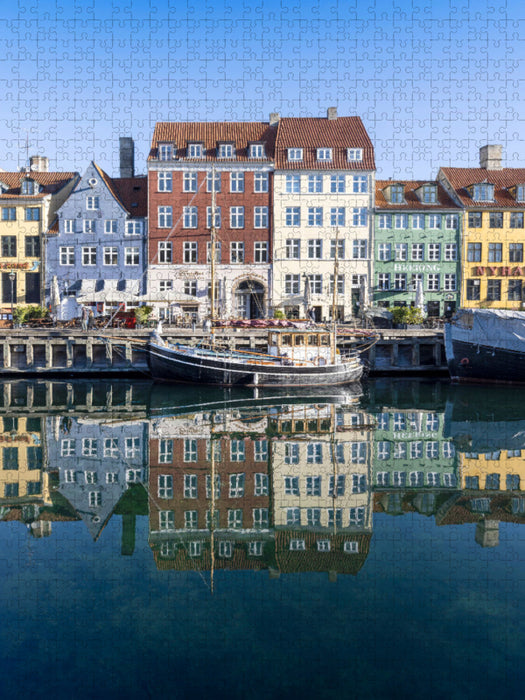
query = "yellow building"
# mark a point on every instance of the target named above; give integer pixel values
(493, 237)
(29, 200)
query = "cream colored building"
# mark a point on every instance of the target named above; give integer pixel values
(324, 185)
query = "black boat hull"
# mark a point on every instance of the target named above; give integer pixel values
(470, 362)
(170, 364)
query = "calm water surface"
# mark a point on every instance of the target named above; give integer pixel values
(166, 542)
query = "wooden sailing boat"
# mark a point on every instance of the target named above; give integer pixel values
(294, 357)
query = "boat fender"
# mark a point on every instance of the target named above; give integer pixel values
(464, 361)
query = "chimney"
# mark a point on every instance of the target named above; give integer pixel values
(127, 156)
(490, 157)
(331, 113)
(274, 118)
(39, 164)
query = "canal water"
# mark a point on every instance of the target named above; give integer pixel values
(164, 542)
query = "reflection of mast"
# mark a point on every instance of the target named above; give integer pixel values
(334, 465)
(212, 252)
(334, 296)
(212, 505)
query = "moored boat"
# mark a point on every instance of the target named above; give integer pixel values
(486, 345)
(298, 358)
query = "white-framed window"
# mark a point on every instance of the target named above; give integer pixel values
(68, 447)
(218, 251)
(92, 202)
(415, 479)
(165, 151)
(90, 476)
(195, 150)
(401, 251)
(292, 184)
(111, 477)
(189, 182)
(217, 485)
(313, 517)
(165, 451)
(260, 252)
(256, 150)
(400, 281)
(340, 284)
(418, 221)
(134, 476)
(234, 518)
(133, 228)
(165, 486)
(261, 485)
(335, 517)
(416, 450)
(383, 281)
(190, 486)
(451, 221)
(260, 182)
(432, 449)
(315, 249)
(164, 182)
(400, 450)
(190, 288)
(383, 479)
(89, 449)
(260, 217)
(166, 520)
(236, 485)
(190, 217)
(397, 194)
(433, 282)
(313, 485)
(110, 256)
(191, 519)
(111, 448)
(451, 251)
(357, 517)
(293, 517)
(236, 182)
(399, 422)
(315, 184)
(89, 255)
(190, 252)
(337, 216)
(236, 252)
(90, 226)
(414, 279)
(292, 216)
(449, 451)
(434, 251)
(483, 192)
(383, 449)
(433, 479)
(336, 485)
(131, 256)
(324, 154)
(315, 216)
(314, 453)
(165, 217)
(360, 184)
(236, 217)
(337, 184)
(293, 248)
(217, 217)
(213, 184)
(292, 284)
(291, 453)
(434, 221)
(315, 283)
(226, 150)
(384, 251)
(132, 447)
(291, 485)
(323, 545)
(67, 255)
(110, 226)
(429, 194)
(401, 221)
(237, 450)
(165, 285)
(255, 549)
(354, 155)
(359, 249)
(165, 251)
(340, 249)
(190, 450)
(295, 154)
(225, 549)
(69, 226)
(449, 282)
(95, 499)
(359, 216)
(417, 251)
(384, 221)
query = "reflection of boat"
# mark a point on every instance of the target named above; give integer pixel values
(486, 345)
(297, 358)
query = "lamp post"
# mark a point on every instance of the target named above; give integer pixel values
(12, 278)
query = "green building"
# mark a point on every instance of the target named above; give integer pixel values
(417, 236)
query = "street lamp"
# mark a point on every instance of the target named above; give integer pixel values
(12, 278)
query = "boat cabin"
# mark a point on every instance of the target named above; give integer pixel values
(303, 345)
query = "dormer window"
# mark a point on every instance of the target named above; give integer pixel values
(195, 150)
(225, 150)
(29, 187)
(397, 194)
(3, 187)
(256, 150)
(520, 193)
(429, 194)
(354, 155)
(295, 154)
(483, 192)
(324, 154)
(166, 151)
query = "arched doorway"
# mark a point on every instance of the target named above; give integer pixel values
(250, 299)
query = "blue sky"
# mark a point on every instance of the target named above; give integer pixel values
(432, 81)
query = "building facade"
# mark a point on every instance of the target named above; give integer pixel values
(29, 200)
(192, 168)
(96, 250)
(417, 234)
(323, 202)
(493, 201)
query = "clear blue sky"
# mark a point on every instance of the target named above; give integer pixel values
(432, 81)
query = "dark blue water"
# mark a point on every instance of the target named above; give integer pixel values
(427, 612)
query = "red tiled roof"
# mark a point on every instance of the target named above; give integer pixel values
(461, 178)
(412, 201)
(128, 191)
(311, 133)
(210, 134)
(50, 182)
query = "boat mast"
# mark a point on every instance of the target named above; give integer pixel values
(334, 296)
(212, 251)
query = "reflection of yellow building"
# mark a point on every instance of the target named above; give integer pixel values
(22, 477)
(502, 470)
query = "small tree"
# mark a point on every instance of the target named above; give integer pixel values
(142, 314)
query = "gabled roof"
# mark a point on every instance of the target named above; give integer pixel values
(461, 178)
(211, 134)
(50, 183)
(412, 201)
(130, 192)
(311, 133)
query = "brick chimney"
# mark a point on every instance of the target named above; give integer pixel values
(490, 157)
(127, 156)
(39, 164)
(274, 118)
(331, 113)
